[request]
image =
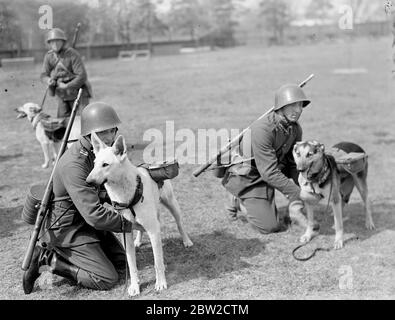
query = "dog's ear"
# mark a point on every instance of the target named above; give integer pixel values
(119, 147)
(297, 144)
(96, 143)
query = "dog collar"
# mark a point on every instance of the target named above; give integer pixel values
(37, 118)
(138, 196)
(323, 175)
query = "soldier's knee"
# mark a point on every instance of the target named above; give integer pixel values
(96, 282)
(264, 228)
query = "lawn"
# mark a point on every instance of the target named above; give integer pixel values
(226, 89)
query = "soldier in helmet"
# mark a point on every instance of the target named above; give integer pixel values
(77, 241)
(64, 73)
(273, 167)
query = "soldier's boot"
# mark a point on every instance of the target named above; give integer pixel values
(40, 258)
(63, 268)
(232, 207)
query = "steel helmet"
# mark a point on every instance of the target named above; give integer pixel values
(98, 116)
(56, 34)
(289, 93)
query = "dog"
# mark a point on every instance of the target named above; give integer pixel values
(49, 144)
(113, 168)
(320, 179)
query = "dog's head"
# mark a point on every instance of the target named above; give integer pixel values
(309, 157)
(28, 110)
(108, 161)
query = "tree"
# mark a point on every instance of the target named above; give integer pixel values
(319, 9)
(187, 16)
(275, 17)
(148, 21)
(222, 22)
(10, 28)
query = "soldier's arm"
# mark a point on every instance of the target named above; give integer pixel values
(267, 163)
(46, 70)
(78, 70)
(86, 199)
(288, 162)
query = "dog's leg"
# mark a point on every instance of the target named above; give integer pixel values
(134, 288)
(156, 242)
(338, 216)
(45, 148)
(170, 202)
(310, 232)
(137, 241)
(362, 186)
(55, 150)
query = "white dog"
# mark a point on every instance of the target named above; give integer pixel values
(34, 114)
(120, 178)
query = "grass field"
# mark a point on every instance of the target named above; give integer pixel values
(226, 89)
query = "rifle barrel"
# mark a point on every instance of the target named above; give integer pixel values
(42, 212)
(229, 146)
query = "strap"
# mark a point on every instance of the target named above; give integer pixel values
(138, 196)
(57, 199)
(316, 249)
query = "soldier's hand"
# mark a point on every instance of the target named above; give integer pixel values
(128, 215)
(51, 82)
(62, 85)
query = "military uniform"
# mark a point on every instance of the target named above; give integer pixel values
(66, 66)
(80, 225)
(273, 167)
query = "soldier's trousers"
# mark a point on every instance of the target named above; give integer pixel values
(100, 264)
(262, 214)
(66, 106)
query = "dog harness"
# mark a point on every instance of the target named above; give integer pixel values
(37, 118)
(320, 177)
(138, 196)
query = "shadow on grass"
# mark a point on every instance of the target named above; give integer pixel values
(10, 157)
(211, 256)
(10, 220)
(354, 219)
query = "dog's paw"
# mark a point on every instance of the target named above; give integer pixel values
(305, 238)
(188, 243)
(45, 165)
(134, 290)
(137, 243)
(369, 225)
(160, 285)
(338, 244)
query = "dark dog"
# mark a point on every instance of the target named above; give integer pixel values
(322, 178)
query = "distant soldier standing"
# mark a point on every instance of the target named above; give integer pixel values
(64, 73)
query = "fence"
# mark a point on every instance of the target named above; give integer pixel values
(103, 51)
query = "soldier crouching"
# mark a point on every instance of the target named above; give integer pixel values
(272, 167)
(77, 240)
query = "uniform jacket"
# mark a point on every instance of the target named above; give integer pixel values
(70, 70)
(87, 214)
(272, 142)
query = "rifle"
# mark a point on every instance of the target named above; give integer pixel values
(52, 88)
(236, 140)
(48, 194)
